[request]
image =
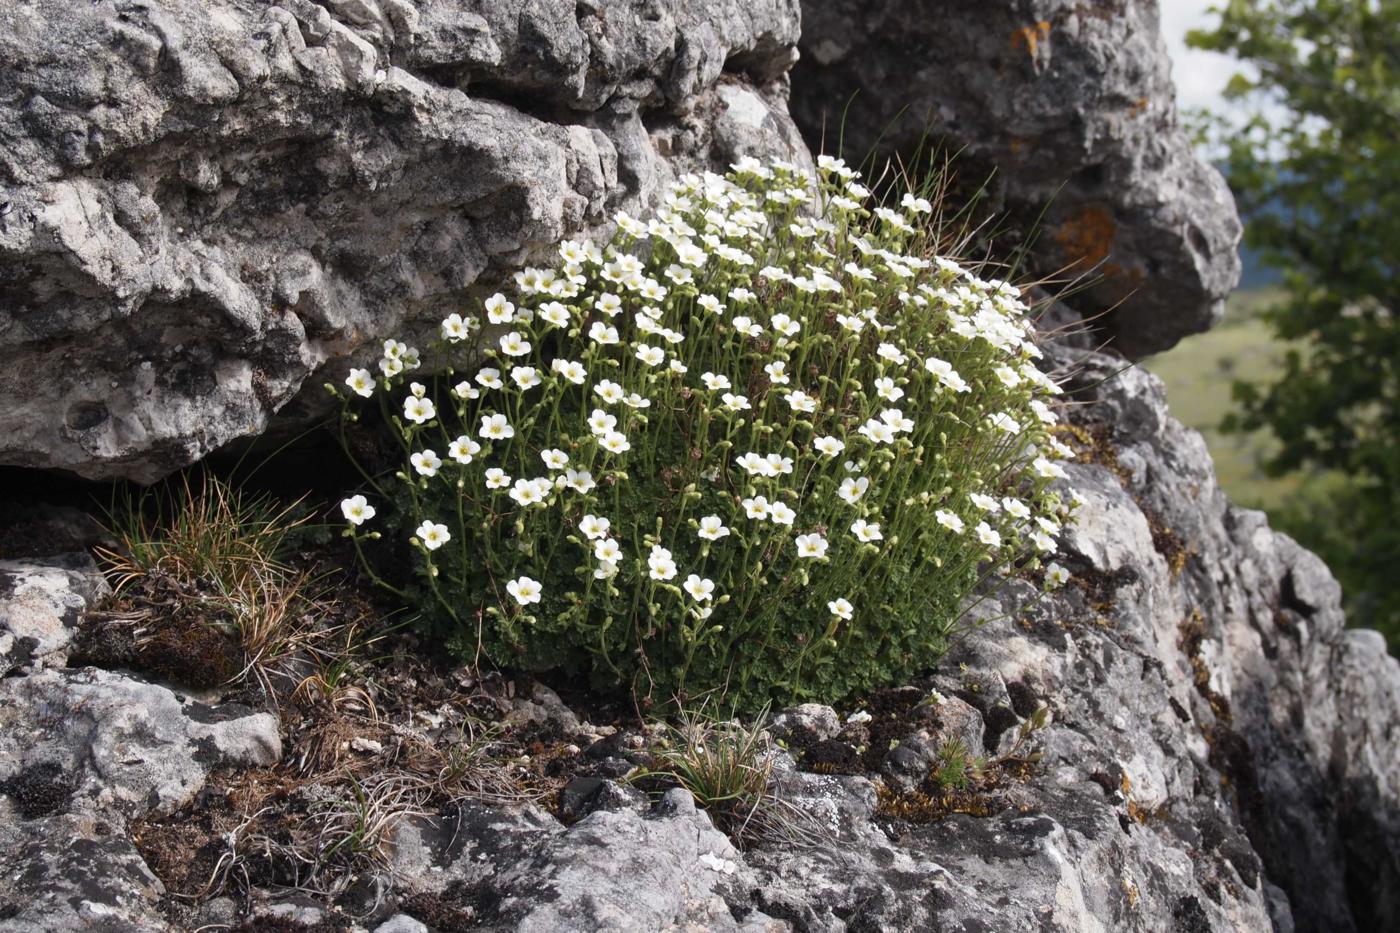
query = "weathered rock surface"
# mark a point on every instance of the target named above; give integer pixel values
(201, 203)
(116, 742)
(1218, 753)
(40, 601)
(1071, 105)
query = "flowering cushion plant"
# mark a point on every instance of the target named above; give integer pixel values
(766, 441)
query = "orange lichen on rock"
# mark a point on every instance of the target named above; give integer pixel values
(1028, 38)
(1086, 237)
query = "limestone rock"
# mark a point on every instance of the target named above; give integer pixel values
(203, 203)
(74, 871)
(39, 608)
(1071, 105)
(121, 744)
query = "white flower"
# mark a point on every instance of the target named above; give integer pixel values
(735, 402)
(777, 372)
(594, 527)
(652, 356)
(463, 449)
(851, 323)
(746, 327)
(699, 588)
(1048, 468)
(886, 389)
(499, 310)
(830, 446)
(490, 378)
(780, 514)
(811, 545)
(841, 608)
(607, 550)
(527, 377)
(712, 528)
(600, 422)
(554, 313)
(633, 400)
(950, 521)
(987, 535)
(715, 383)
(751, 463)
(877, 432)
(570, 370)
(608, 303)
(678, 367)
(418, 410)
(1004, 422)
(1015, 508)
(710, 303)
(426, 462)
(756, 507)
(527, 492)
(524, 590)
(495, 427)
(896, 420)
(356, 510)
(946, 375)
(554, 458)
(615, 443)
(1056, 576)
(579, 480)
(512, 344)
(465, 391)
(891, 352)
(601, 333)
(1007, 376)
(1044, 544)
(777, 465)
(916, 205)
(801, 401)
(360, 382)
(610, 392)
(659, 563)
(432, 535)
(866, 531)
(852, 489)
(985, 503)
(454, 328)
(394, 349)
(785, 325)
(496, 478)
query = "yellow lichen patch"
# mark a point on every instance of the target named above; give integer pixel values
(1028, 38)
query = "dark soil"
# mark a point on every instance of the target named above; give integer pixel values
(154, 628)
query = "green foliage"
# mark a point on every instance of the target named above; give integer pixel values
(775, 440)
(1317, 177)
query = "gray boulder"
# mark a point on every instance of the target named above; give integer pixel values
(1057, 103)
(203, 203)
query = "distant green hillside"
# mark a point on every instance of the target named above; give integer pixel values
(1199, 372)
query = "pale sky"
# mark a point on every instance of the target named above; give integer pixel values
(1199, 76)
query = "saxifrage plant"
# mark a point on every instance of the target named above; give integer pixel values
(765, 442)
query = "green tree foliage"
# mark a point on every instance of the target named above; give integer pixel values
(1316, 171)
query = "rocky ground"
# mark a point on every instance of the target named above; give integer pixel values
(1185, 738)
